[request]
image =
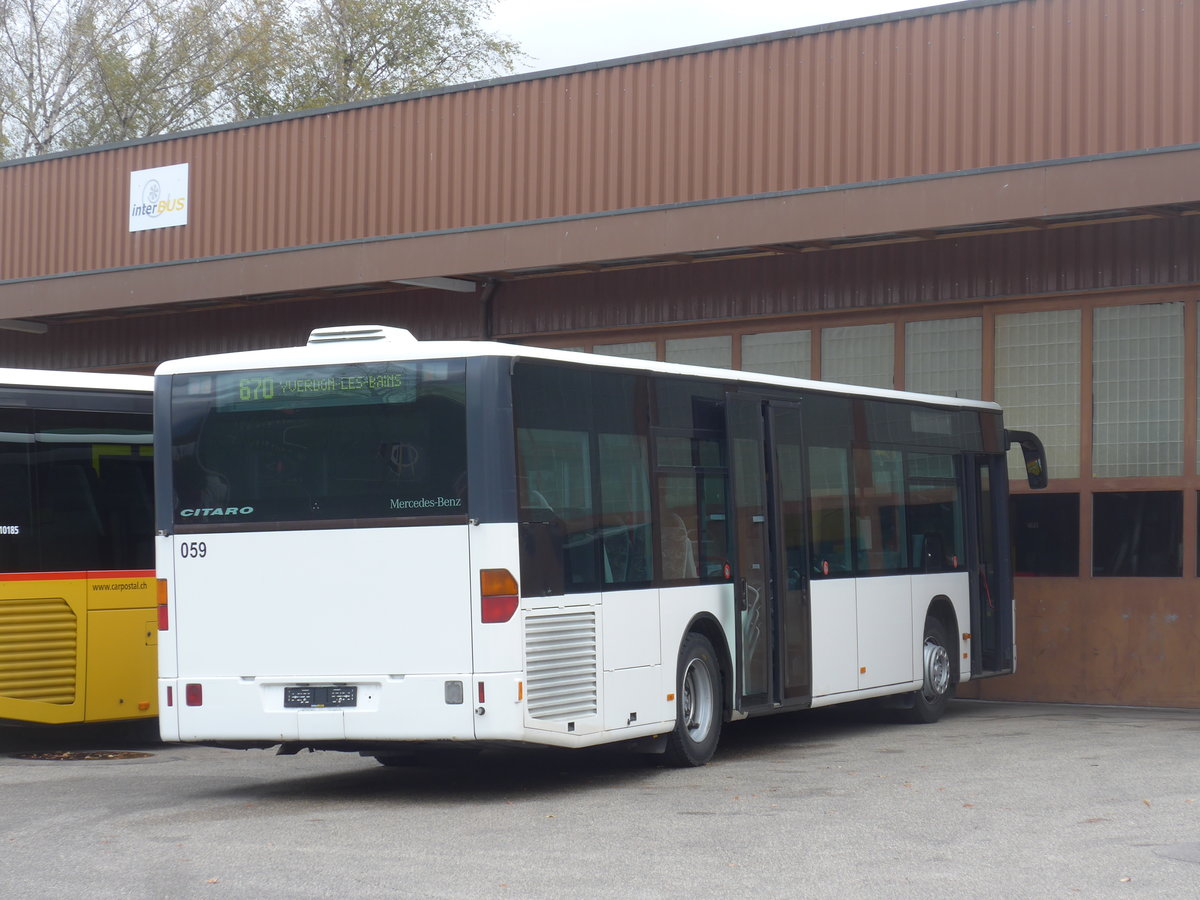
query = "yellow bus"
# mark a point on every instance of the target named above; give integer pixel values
(78, 626)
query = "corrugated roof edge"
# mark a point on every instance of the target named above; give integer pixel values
(526, 76)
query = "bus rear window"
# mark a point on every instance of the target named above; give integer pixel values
(312, 444)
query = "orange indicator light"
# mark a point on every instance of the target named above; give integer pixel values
(161, 595)
(498, 590)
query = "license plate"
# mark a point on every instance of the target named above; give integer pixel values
(320, 696)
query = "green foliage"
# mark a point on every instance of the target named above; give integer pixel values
(78, 73)
(328, 52)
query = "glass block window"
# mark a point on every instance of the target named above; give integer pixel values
(1137, 389)
(944, 357)
(778, 353)
(705, 351)
(1037, 383)
(636, 350)
(858, 354)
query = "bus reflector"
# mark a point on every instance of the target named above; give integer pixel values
(193, 694)
(170, 696)
(161, 592)
(498, 589)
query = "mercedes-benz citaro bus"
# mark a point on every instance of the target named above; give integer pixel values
(377, 544)
(78, 629)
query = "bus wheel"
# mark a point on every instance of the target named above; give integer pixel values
(697, 704)
(937, 666)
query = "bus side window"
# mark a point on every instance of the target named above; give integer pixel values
(678, 503)
(125, 495)
(18, 549)
(882, 544)
(625, 532)
(555, 499)
(934, 508)
(72, 530)
(829, 488)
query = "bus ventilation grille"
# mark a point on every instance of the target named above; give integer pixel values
(560, 665)
(343, 333)
(37, 650)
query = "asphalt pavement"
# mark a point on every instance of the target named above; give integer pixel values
(998, 800)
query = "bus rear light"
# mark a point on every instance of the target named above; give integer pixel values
(498, 589)
(164, 622)
(482, 699)
(193, 694)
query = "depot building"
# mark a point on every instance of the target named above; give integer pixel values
(995, 199)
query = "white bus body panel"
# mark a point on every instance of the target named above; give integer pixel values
(856, 623)
(632, 660)
(262, 610)
(885, 615)
(386, 600)
(638, 633)
(680, 607)
(834, 637)
(956, 587)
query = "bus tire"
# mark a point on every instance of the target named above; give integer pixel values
(937, 668)
(698, 706)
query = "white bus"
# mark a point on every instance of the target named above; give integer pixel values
(377, 544)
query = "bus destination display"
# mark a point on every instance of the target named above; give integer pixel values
(284, 388)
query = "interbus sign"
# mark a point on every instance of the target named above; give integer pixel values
(158, 198)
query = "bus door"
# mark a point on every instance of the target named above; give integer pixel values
(991, 585)
(773, 653)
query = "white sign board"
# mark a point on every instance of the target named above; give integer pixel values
(158, 198)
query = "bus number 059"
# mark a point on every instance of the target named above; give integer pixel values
(193, 549)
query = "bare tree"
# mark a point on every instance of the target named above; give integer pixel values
(338, 51)
(77, 73)
(179, 65)
(45, 62)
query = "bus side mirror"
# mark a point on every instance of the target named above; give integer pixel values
(1034, 454)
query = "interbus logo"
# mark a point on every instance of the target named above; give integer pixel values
(216, 511)
(158, 198)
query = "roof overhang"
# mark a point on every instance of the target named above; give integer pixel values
(1061, 193)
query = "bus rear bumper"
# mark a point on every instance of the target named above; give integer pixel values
(350, 708)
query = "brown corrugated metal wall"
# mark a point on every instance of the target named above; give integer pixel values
(1093, 258)
(1140, 254)
(984, 85)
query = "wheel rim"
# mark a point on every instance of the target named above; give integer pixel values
(937, 670)
(697, 700)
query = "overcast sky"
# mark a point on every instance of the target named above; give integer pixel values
(558, 33)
